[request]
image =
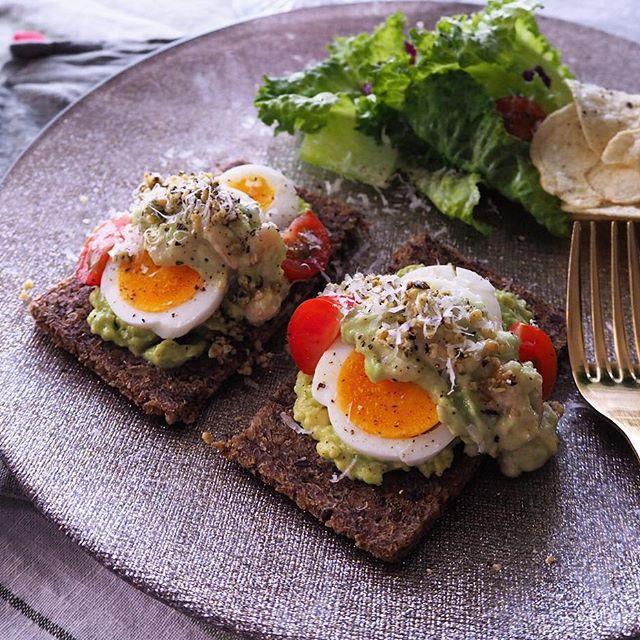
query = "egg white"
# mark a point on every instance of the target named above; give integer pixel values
(284, 208)
(171, 323)
(411, 451)
(459, 281)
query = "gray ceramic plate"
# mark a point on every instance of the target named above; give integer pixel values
(165, 512)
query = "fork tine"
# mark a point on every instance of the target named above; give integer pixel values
(634, 284)
(575, 337)
(597, 325)
(624, 366)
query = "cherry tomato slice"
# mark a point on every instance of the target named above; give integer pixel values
(313, 328)
(93, 257)
(308, 245)
(536, 347)
(521, 115)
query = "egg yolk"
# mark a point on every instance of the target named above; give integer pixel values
(387, 409)
(148, 287)
(256, 187)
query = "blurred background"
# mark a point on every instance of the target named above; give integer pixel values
(106, 19)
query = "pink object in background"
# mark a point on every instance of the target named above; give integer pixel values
(29, 36)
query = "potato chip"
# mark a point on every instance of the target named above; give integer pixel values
(561, 154)
(617, 183)
(612, 211)
(623, 148)
(603, 113)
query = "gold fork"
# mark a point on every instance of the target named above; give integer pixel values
(612, 387)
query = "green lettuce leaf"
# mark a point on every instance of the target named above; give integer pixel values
(359, 55)
(293, 112)
(367, 108)
(469, 134)
(502, 48)
(454, 192)
(330, 76)
(341, 148)
(302, 101)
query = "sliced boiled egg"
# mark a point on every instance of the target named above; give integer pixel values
(275, 193)
(390, 421)
(459, 282)
(168, 300)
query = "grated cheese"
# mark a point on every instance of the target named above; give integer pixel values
(25, 292)
(417, 320)
(336, 478)
(288, 421)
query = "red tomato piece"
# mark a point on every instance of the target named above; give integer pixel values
(93, 258)
(308, 245)
(521, 115)
(536, 347)
(313, 328)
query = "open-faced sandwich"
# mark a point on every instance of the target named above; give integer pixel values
(177, 293)
(405, 379)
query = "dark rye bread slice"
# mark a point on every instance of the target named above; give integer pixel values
(387, 521)
(179, 394)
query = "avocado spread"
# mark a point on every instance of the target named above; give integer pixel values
(315, 420)
(190, 219)
(466, 361)
(165, 354)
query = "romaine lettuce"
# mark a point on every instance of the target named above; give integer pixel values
(454, 192)
(360, 108)
(303, 100)
(341, 148)
(502, 48)
(456, 116)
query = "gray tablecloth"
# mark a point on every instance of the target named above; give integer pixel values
(48, 587)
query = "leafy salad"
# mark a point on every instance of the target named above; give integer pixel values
(452, 108)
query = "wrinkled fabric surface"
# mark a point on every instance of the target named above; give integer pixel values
(43, 79)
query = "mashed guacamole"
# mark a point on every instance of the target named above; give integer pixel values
(165, 354)
(315, 419)
(489, 400)
(189, 219)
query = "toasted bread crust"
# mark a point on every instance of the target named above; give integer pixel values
(387, 521)
(178, 394)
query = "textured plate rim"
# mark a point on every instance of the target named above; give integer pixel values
(244, 629)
